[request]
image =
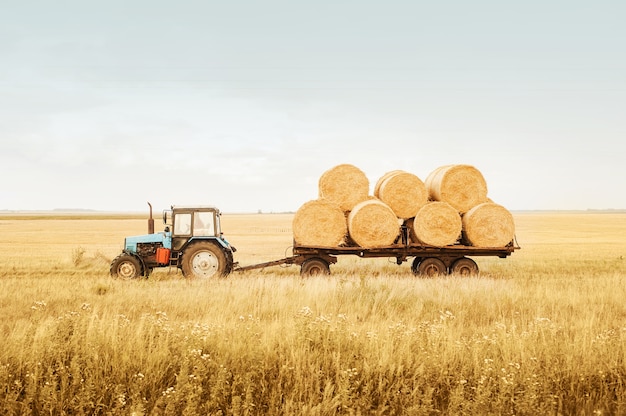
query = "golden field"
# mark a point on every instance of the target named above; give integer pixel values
(541, 332)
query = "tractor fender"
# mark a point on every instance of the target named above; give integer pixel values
(219, 241)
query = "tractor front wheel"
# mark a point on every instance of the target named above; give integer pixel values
(126, 266)
(204, 260)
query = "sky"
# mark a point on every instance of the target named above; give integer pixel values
(243, 105)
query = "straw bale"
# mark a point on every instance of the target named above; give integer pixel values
(373, 224)
(319, 223)
(488, 225)
(382, 179)
(346, 185)
(404, 193)
(462, 186)
(436, 224)
(429, 180)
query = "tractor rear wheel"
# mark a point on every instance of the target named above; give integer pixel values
(126, 266)
(204, 260)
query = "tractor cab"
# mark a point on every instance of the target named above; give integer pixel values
(192, 221)
(189, 223)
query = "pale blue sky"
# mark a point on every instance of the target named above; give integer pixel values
(241, 104)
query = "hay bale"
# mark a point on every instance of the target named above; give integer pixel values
(462, 186)
(373, 224)
(429, 180)
(346, 185)
(319, 223)
(436, 224)
(404, 193)
(382, 179)
(488, 225)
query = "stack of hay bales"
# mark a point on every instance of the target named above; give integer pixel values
(345, 213)
(483, 222)
(451, 206)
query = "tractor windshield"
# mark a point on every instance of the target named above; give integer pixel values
(203, 224)
(182, 223)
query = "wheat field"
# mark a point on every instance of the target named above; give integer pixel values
(541, 332)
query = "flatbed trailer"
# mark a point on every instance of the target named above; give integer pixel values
(427, 260)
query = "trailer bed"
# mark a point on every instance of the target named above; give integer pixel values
(405, 251)
(317, 259)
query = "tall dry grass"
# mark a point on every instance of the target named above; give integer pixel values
(542, 332)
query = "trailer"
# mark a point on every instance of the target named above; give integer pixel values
(427, 261)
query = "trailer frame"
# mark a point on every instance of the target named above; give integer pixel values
(446, 257)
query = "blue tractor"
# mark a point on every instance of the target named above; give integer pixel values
(192, 241)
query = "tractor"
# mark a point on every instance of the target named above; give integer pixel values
(192, 241)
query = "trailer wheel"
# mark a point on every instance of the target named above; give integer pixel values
(415, 265)
(204, 260)
(431, 267)
(314, 267)
(126, 266)
(464, 267)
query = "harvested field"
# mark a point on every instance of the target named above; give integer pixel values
(538, 333)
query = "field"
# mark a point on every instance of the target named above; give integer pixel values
(541, 332)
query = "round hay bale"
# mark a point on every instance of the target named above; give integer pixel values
(404, 193)
(488, 225)
(462, 186)
(382, 179)
(346, 185)
(436, 224)
(429, 180)
(373, 224)
(319, 223)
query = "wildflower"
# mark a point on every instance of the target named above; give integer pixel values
(305, 311)
(38, 305)
(446, 315)
(170, 391)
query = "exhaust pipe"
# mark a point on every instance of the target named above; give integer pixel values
(150, 221)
